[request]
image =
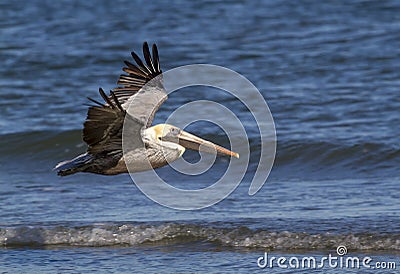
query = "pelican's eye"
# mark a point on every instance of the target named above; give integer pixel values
(174, 130)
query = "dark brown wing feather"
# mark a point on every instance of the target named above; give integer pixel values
(142, 105)
(138, 75)
(103, 126)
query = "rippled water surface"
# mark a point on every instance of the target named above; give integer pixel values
(329, 71)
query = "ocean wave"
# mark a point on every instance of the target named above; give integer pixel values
(37, 144)
(100, 235)
(336, 153)
(310, 156)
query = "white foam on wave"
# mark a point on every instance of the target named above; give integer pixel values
(133, 235)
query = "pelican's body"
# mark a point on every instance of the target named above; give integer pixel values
(133, 106)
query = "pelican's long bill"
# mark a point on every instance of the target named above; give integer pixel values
(193, 142)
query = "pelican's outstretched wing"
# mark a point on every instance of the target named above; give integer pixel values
(142, 91)
(103, 126)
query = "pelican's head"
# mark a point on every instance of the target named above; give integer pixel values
(174, 137)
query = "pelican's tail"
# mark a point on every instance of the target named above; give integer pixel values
(77, 164)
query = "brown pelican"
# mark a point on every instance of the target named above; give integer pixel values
(151, 146)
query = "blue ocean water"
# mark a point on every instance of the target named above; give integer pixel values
(328, 70)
